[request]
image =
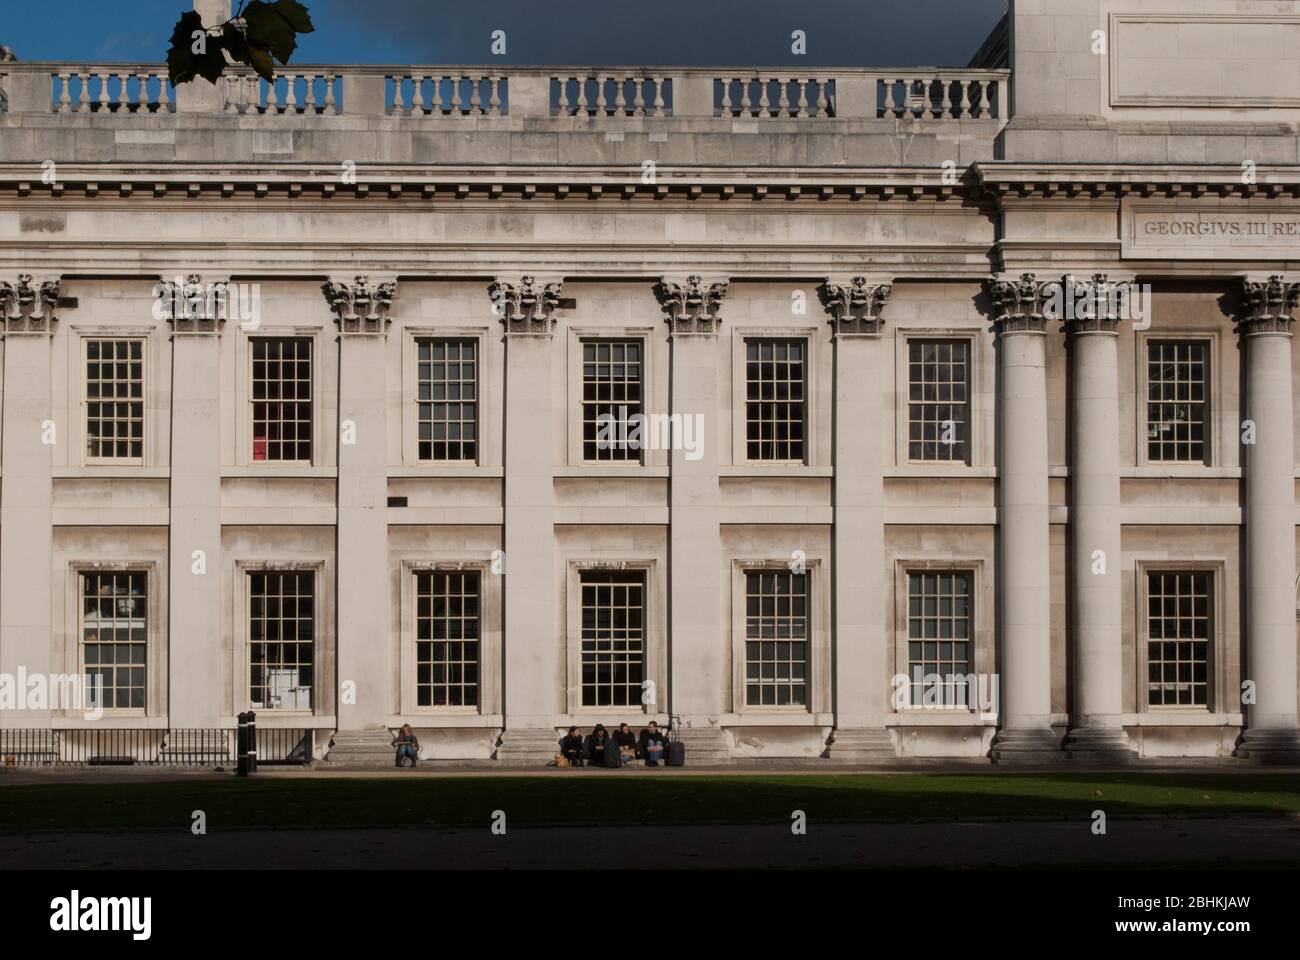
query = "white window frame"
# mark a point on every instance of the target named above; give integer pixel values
(902, 395)
(322, 672)
(489, 649)
(818, 640)
(812, 340)
(1215, 693)
(651, 399)
(655, 668)
(1141, 341)
(244, 421)
(155, 662)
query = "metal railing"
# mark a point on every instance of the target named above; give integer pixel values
(121, 746)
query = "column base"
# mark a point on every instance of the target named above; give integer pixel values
(861, 745)
(706, 743)
(1099, 745)
(1025, 745)
(366, 749)
(1274, 747)
(527, 746)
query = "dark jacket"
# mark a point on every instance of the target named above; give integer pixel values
(571, 746)
(622, 739)
(647, 738)
(596, 747)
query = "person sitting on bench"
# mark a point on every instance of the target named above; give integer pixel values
(571, 747)
(625, 741)
(597, 744)
(653, 745)
(408, 745)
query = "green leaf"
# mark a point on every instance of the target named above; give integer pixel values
(183, 64)
(296, 15)
(268, 28)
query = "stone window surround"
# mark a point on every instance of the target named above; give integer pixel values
(489, 650)
(651, 401)
(983, 630)
(818, 640)
(815, 337)
(1217, 696)
(155, 633)
(1213, 452)
(323, 665)
(410, 374)
(243, 399)
(75, 431)
(656, 660)
(974, 386)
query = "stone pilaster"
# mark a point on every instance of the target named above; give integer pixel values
(697, 642)
(1271, 729)
(194, 614)
(534, 665)
(1023, 585)
(862, 654)
(364, 688)
(27, 437)
(1097, 733)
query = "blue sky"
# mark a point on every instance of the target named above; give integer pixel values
(895, 33)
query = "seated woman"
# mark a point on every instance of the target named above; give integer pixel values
(597, 744)
(408, 745)
(571, 747)
(625, 742)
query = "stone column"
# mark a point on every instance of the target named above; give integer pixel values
(1097, 733)
(697, 642)
(1022, 575)
(1271, 730)
(364, 689)
(194, 692)
(861, 582)
(27, 492)
(533, 662)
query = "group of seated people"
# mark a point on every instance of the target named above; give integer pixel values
(651, 746)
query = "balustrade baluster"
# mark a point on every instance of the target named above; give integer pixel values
(437, 94)
(764, 103)
(984, 99)
(659, 96)
(822, 101)
(726, 96)
(601, 104)
(620, 96)
(639, 103)
(475, 100)
(783, 107)
(65, 100)
(746, 104)
(455, 95)
(331, 106)
(309, 102)
(582, 96)
(562, 105)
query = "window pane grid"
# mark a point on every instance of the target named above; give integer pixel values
(1179, 627)
(613, 638)
(447, 638)
(611, 396)
(447, 400)
(776, 634)
(115, 400)
(281, 638)
(938, 375)
(939, 636)
(282, 400)
(1177, 400)
(114, 636)
(775, 410)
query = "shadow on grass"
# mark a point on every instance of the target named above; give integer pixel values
(586, 797)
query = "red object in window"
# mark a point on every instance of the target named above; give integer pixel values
(259, 448)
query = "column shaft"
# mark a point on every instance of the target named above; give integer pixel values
(26, 519)
(194, 619)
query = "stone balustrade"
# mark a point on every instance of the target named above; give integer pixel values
(117, 89)
(943, 94)
(489, 92)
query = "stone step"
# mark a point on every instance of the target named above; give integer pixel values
(861, 746)
(361, 748)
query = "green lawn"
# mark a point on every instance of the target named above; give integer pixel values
(597, 797)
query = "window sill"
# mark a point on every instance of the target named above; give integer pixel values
(922, 717)
(775, 470)
(442, 470)
(434, 717)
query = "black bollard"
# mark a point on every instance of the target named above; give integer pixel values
(241, 747)
(252, 742)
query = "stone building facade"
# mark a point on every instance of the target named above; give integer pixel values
(494, 400)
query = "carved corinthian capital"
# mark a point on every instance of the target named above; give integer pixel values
(692, 307)
(855, 306)
(192, 305)
(528, 306)
(1095, 305)
(1021, 304)
(29, 308)
(1268, 305)
(361, 306)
